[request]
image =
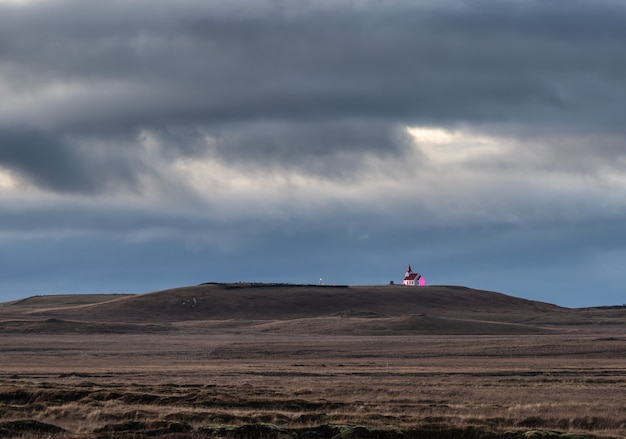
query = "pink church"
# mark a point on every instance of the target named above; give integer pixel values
(413, 279)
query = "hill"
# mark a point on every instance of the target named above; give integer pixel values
(277, 360)
(308, 308)
(243, 301)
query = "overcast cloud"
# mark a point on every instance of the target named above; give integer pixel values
(147, 144)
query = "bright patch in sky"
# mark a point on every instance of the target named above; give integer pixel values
(431, 135)
(7, 182)
(447, 147)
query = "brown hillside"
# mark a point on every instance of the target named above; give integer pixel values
(286, 308)
(284, 301)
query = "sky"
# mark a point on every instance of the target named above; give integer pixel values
(151, 144)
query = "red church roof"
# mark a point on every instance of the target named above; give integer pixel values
(412, 276)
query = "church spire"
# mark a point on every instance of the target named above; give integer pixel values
(408, 271)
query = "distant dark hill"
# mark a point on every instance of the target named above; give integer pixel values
(284, 302)
(286, 308)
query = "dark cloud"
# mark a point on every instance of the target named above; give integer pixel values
(431, 62)
(66, 164)
(242, 71)
(333, 149)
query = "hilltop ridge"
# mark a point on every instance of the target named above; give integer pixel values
(374, 309)
(260, 301)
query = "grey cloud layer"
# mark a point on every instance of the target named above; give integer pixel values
(88, 71)
(65, 164)
(121, 123)
(192, 63)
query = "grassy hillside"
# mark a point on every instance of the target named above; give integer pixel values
(283, 308)
(284, 302)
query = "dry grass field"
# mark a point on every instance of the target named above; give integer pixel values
(285, 361)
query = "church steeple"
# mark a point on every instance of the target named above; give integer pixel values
(408, 271)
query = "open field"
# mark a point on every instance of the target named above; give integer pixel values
(438, 362)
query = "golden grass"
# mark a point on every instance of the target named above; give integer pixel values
(83, 383)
